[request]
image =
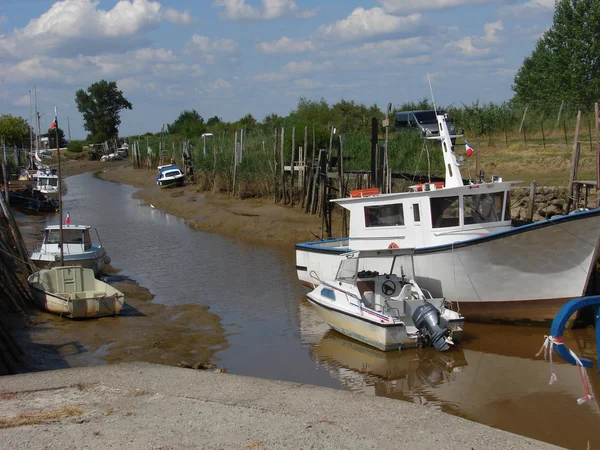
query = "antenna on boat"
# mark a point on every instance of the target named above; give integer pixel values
(431, 90)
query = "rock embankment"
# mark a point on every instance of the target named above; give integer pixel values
(549, 201)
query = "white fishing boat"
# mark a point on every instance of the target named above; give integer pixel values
(74, 292)
(46, 181)
(464, 246)
(385, 310)
(78, 248)
(169, 175)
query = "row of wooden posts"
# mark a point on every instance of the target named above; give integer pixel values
(15, 297)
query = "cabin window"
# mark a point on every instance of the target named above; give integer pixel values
(444, 212)
(416, 213)
(87, 240)
(483, 208)
(69, 237)
(328, 293)
(172, 173)
(507, 215)
(384, 215)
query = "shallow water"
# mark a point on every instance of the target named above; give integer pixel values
(271, 331)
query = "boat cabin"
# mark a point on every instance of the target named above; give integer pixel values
(428, 217)
(76, 239)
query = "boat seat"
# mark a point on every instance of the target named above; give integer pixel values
(405, 293)
(368, 297)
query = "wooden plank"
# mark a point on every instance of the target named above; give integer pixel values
(574, 163)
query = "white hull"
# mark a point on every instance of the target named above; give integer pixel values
(389, 337)
(93, 260)
(526, 273)
(74, 293)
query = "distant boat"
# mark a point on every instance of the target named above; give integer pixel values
(169, 176)
(74, 292)
(46, 181)
(78, 248)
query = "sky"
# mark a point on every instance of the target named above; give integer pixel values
(233, 57)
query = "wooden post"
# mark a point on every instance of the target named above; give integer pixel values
(523, 120)
(16, 234)
(565, 129)
(292, 166)
(341, 184)
(477, 159)
(5, 173)
(574, 163)
(597, 116)
(275, 168)
(543, 135)
(531, 201)
(304, 171)
(316, 170)
(282, 161)
(235, 154)
(562, 103)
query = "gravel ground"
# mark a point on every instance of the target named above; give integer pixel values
(142, 406)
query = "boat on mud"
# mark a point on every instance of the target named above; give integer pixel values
(45, 180)
(78, 248)
(169, 176)
(74, 292)
(387, 311)
(464, 246)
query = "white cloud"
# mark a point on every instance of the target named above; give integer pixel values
(491, 32)
(390, 47)
(239, 10)
(271, 77)
(529, 9)
(308, 66)
(465, 47)
(212, 50)
(367, 23)
(25, 100)
(218, 85)
(74, 27)
(307, 83)
(406, 6)
(286, 45)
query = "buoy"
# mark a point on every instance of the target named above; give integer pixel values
(393, 245)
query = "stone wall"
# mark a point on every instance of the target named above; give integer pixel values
(549, 201)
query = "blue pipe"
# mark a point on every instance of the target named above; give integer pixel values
(561, 319)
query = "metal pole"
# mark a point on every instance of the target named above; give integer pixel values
(60, 206)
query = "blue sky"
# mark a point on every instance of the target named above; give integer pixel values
(233, 57)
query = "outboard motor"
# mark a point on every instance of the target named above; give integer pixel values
(427, 319)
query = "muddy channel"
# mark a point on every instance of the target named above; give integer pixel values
(201, 297)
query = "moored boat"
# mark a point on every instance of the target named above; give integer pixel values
(464, 246)
(78, 248)
(74, 292)
(387, 311)
(169, 176)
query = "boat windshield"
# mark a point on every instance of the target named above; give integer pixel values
(69, 237)
(172, 173)
(347, 270)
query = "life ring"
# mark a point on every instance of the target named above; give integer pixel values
(393, 245)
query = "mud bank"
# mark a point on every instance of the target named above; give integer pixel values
(257, 221)
(138, 405)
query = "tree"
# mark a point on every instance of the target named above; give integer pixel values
(189, 124)
(14, 130)
(215, 120)
(101, 106)
(52, 137)
(565, 64)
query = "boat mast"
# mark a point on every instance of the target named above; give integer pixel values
(60, 211)
(30, 133)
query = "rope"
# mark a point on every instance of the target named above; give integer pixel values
(546, 350)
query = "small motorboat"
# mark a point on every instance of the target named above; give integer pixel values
(387, 311)
(74, 292)
(45, 180)
(169, 176)
(78, 248)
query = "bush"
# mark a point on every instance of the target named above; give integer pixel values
(75, 147)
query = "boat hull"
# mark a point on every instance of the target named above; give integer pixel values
(524, 274)
(383, 337)
(96, 261)
(177, 182)
(101, 301)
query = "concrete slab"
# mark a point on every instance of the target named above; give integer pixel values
(140, 405)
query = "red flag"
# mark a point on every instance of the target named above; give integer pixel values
(468, 149)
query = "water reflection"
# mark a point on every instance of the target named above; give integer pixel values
(492, 378)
